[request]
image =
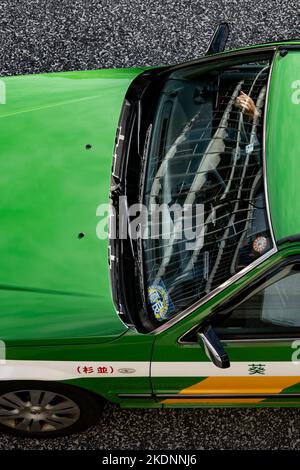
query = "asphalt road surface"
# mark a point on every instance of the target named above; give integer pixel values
(54, 35)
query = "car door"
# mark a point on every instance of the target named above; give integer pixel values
(259, 328)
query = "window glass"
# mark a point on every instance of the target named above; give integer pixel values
(274, 307)
(203, 187)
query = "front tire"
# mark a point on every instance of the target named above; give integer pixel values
(46, 409)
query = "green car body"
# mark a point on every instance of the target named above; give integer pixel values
(58, 319)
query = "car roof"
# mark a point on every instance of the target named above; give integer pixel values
(282, 154)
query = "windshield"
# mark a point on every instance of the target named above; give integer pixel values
(203, 188)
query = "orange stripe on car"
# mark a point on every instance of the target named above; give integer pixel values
(234, 385)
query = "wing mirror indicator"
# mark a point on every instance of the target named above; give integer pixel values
(213, 347)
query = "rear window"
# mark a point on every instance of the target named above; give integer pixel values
(204, 185)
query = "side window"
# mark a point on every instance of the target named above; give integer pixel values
(274, 307)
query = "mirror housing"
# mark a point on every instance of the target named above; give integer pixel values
(213, 347)
(219, 39)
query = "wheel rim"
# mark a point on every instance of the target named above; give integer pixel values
(34, 411)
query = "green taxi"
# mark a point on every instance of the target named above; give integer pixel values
(98, 303)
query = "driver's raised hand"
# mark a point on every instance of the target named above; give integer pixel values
(246, 104)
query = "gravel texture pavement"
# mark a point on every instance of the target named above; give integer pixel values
(54, 35)
(179, 429)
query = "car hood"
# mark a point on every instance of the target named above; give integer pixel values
(57, 138)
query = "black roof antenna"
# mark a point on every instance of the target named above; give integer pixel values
(219, 39)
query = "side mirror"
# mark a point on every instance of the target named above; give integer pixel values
(213, 347)
(219, 39)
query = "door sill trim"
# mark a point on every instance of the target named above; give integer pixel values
(167, 396)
